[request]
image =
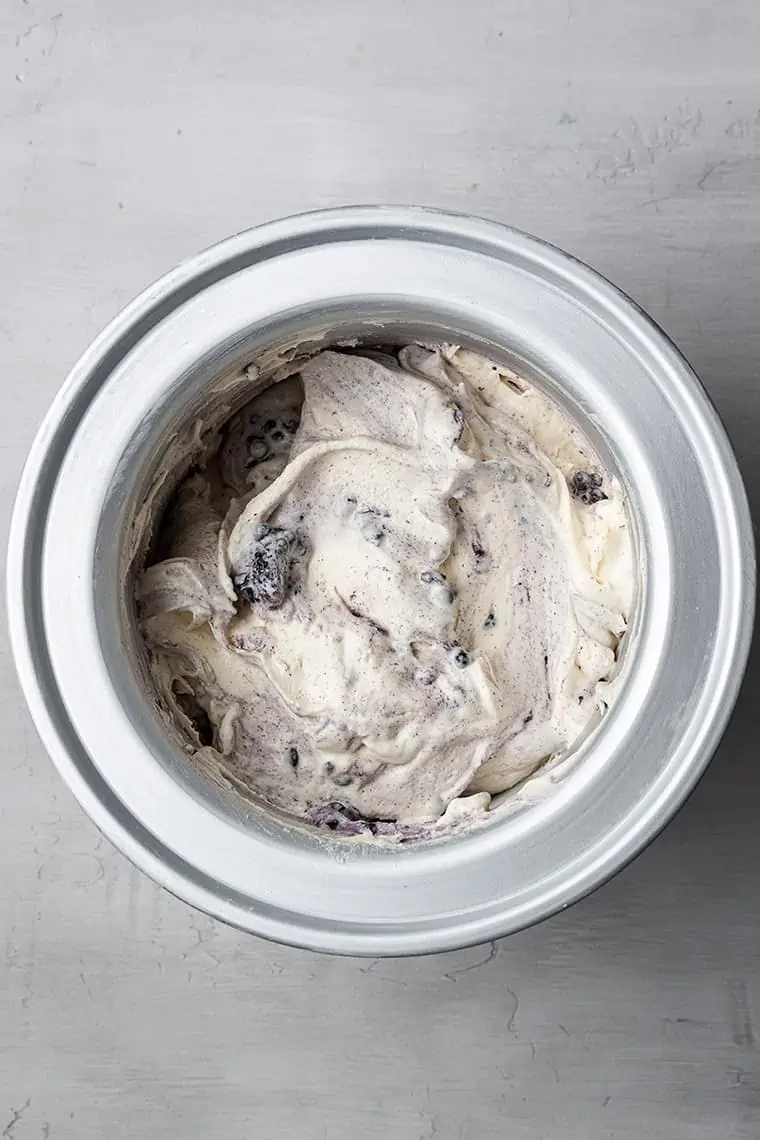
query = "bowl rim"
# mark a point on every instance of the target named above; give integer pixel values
(27, 613)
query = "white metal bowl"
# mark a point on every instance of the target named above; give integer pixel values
(382, 273)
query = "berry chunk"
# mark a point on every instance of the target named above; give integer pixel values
(266, 577)
(586, 486)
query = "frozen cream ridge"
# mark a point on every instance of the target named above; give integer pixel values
(392, 587)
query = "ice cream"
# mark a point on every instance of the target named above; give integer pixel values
(391, 587)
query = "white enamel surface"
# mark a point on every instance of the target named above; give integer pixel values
(636, 392)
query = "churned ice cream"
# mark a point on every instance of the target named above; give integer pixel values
(390, 587)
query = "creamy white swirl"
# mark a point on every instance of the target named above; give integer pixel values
(393, 589)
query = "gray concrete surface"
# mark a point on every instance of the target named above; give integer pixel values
(132, 134)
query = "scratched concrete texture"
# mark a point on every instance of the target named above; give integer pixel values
(133, 134)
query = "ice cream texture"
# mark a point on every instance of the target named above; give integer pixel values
(391, 587)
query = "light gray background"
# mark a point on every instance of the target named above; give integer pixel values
(131, 135)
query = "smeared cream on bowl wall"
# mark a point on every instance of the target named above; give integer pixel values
(390, 587)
